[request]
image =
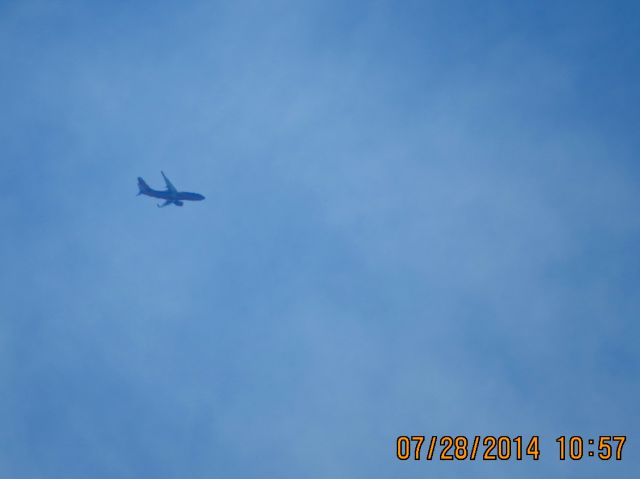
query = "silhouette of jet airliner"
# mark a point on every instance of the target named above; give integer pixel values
(170, 195)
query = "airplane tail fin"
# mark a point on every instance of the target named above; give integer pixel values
(142, 186)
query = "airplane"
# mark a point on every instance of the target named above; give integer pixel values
(171, 195)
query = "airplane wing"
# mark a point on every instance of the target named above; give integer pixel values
(168, 202)
(170, 187)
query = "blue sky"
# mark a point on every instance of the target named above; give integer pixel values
(421, 218)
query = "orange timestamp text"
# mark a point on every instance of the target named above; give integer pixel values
(503, 448)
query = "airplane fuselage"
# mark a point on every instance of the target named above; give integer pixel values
(173, 196)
